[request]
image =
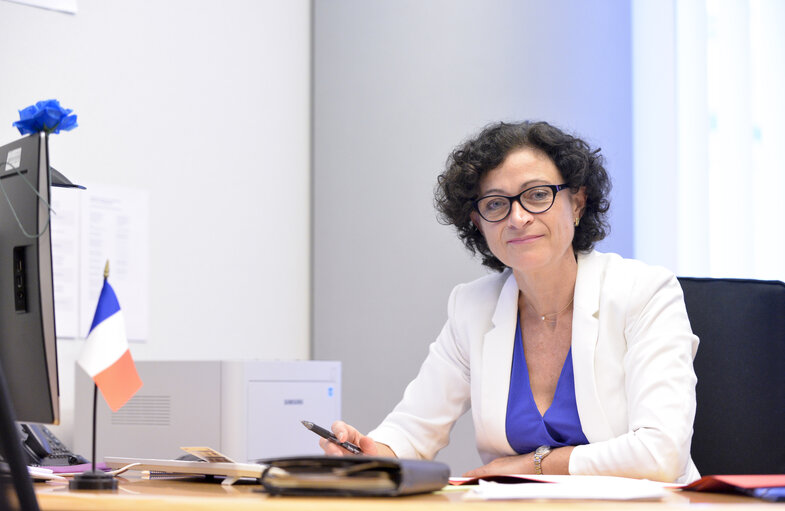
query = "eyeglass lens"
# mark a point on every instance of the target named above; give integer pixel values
(534, 200)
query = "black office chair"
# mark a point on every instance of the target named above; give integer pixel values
(740, 419)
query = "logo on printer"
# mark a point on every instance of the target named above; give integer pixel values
(287, 402)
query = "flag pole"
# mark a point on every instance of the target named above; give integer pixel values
(95, 386)
(95, 406)
(94, 479)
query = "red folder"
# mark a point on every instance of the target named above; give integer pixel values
(735, 483)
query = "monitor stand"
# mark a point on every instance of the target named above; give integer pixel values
(11, 447)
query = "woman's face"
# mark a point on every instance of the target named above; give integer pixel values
(525, 241)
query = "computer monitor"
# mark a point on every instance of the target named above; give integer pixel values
(28, 345)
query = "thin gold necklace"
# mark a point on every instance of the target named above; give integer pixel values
(553, 316)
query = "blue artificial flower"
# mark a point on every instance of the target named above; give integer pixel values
(46, 116)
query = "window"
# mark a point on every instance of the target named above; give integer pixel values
(709, 112)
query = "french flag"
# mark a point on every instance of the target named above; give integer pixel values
(106, 357)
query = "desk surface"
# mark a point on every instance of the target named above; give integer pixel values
(176, 495)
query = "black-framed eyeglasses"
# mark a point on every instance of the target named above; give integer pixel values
(535, 200)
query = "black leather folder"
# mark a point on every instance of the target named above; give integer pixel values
(352, 476)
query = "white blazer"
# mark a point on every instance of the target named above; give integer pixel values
(632, 350)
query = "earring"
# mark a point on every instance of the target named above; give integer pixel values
(577, 221)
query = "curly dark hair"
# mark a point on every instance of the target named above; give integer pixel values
(459, 185)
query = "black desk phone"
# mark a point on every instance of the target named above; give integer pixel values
(43, 448)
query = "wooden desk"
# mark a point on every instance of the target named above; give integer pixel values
(179, 495)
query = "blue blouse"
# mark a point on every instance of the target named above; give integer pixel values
(526, 428)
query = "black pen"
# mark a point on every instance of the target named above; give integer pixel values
(324, 433)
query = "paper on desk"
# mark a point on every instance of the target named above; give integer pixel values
(208, 454)
(44, 474)
(572, 487)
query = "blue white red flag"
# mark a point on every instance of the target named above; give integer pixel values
(106, 357)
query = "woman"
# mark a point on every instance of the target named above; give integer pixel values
(572, 361)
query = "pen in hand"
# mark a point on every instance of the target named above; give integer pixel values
(327, 434)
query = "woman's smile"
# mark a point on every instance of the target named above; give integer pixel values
(525, 239)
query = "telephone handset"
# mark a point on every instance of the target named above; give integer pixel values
(44, 448)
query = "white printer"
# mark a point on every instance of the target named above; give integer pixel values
(245, 409)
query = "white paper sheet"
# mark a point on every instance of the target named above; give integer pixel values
(67, 6)
(89, 227)
(114, 227)
(64, 224)
(573, 488)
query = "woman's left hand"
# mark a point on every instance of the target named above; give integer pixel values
(520, 464)
(557, 462)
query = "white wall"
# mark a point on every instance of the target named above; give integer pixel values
(398, 84)
(206, 105)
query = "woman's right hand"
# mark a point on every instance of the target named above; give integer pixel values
(346, 433)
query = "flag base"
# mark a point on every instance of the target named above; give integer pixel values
(93, 480)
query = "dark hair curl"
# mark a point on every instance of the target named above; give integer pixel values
(459, 185)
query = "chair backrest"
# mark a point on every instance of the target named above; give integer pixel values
(740, 418)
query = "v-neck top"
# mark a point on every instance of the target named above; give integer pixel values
(526, 428)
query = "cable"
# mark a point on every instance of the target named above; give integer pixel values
(40, 198)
